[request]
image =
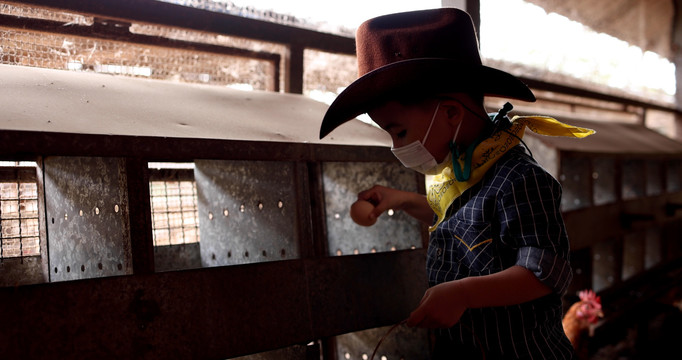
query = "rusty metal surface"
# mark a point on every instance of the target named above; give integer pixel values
(296, 352)
(247, 211)
(210, 313)
(342, 183)
(177, 257)
(87, 217)
(21, 271)
(367, 291)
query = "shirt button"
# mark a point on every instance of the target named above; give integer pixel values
(439, 252)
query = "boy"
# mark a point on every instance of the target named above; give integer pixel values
(498, 255)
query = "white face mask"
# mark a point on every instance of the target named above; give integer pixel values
(416, 157)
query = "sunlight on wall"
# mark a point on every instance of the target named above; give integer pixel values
(516, 31)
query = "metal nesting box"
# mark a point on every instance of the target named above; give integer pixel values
(621, 191)
(272, 200)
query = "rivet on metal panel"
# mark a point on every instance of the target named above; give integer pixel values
(393, 230)
(81, 233)
(257, 230)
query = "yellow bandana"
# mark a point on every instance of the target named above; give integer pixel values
(444, 188)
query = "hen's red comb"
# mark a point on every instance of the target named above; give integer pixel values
(589, 295)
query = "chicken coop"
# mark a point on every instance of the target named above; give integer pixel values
(621, 193)
(144, 218)
(149, 210)
(254, 212)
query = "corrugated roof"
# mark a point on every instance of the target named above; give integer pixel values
(34, 99)
(647, 24)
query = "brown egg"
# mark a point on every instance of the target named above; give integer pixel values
(360, 211)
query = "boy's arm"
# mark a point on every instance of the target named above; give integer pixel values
(443, 304)
(385, 198)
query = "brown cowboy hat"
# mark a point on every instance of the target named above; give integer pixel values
(416, 53)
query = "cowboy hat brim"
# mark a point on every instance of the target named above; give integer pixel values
(421, 76)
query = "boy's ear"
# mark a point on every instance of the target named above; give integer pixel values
(453, 110)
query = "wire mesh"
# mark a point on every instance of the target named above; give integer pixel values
(175, 218)
(19, 234)
(80, 53)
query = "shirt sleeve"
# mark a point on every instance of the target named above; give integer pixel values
(531, 223)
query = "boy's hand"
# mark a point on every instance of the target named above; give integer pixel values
(385, 198)
(441, 307)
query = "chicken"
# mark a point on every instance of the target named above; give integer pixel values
(580, 317)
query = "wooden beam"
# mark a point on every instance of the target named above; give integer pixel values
(26, 145)
(139, 215)
(210, 313)
(163, 13)
(590, 225)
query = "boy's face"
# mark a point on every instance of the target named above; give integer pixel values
(409, 123)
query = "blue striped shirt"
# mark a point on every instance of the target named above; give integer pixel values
(511, 217)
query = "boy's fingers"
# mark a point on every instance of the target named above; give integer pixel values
(416, 317)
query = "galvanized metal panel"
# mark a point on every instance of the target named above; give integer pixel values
(401, 342)
(87, 217)
(342, 183)
(576, 180)
(247, 211)
(605, 264)
(604, 179)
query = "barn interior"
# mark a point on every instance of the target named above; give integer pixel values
(150, 208)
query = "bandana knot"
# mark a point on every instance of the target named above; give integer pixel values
(445, 187)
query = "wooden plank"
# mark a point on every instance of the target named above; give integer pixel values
(26, 145)
(616, 219)
(163, 13)
(211, 313)
(356, 292)
(139, 218)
